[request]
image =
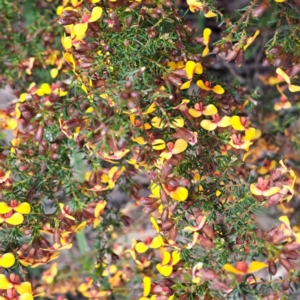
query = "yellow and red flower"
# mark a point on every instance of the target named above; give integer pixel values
(216, 121)
(242, 268)
(263, 188)
(200, 109)
(207, 87)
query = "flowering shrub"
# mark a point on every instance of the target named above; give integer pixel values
(111, 91)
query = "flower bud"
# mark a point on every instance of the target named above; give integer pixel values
(286, 264)
(134, 94)
(208, 231)
(174, 80)
(167, 225)
(240, 58)
(260, 9)
(232, 54)
(285, 284)
(276, 50)
(165, 215)
(272, 267)
(129, 21)
(291, 247)
(292, 255)
(148, 200)
(39, 134)
(128, 85)
(127, 221)
(173, 234)
(164, 197)
(151, 208)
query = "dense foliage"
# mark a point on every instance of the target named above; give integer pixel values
(116, 95)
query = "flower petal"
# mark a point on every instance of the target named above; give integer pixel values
(218, 89)
(210, 110)
(99, 208)
(158, 144)
(80, 29)
(26, 296)
(175, 257)
(24, 208)
(180, 146)
(224, 122)
(236, 123)
(186, 85)
(210, 14)
(294, 88)
(4, 208)
(208, 125)
(180, 194)
(147, 285)
(15, 219)
(4, 283)
(232, 269)
(66, 42)
(195, 113)
(7, 260)
(53, 73)
(157, 123)
(255, 190)
(166, 270)
(256, 266)
(24, 287)
(206, 35)
(250, 40)
(166, 258)
(198, 69)
(141, 247)
(271, 191)
(177, 122)
(155, 225)
(189, 68)
(157, 242)
(205, 51)
(283, 75)
(202, 86)
(96, 14)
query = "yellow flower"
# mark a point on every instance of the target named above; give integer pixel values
(242, 268)
(206, 86)
(250, 40)
(14, 282)
(206, 37)
(195, 5)
(191, 67)
(49, 275)
(177, 193)
(81, 28)
(99, 209)
(174, 148)
(286, 78)
(239, 142)
(169, 260)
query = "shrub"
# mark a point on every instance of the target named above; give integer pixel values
(135, 91)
